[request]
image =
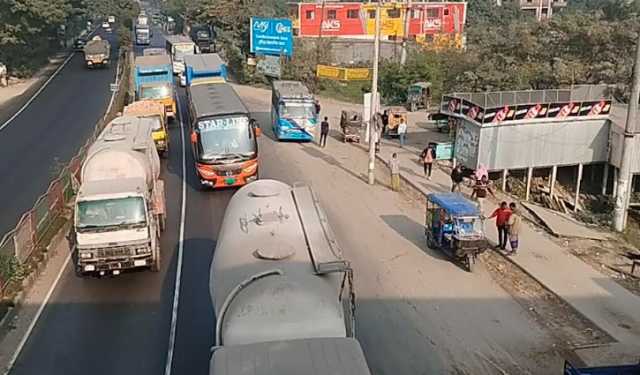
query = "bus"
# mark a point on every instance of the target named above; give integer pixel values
(223, 136)
(293, 111)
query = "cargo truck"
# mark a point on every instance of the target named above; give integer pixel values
(143, 34)
(153, 81)
(205, 68)
(154, 111)
(97, 52)
(179, 46)
(204, 37)
(280, 288)
(119, 210)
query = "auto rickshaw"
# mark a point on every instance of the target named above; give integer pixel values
(396, 114)
(454, 225)
(419, 96)
(351, 124)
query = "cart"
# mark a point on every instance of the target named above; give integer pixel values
(454, 226)
(419, 96)
(351, 124)
(396, 114)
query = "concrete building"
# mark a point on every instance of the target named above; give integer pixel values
(542, 9)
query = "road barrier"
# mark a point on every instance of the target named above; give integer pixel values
(36, 227)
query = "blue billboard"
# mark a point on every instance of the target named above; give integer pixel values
(271, 36)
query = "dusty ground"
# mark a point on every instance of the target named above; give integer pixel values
(18, 87)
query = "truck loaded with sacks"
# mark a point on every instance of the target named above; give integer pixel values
(119, 210)
(282, 292)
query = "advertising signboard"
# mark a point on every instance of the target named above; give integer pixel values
(271, 36)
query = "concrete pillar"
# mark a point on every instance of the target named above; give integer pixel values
(505, 173)
(578, 181)
(529, 176)
(615, 182)
(552, 184)
(605, 178)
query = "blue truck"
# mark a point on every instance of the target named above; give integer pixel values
(204, 68)
(294, 111)
(153, 80)
(569, 369)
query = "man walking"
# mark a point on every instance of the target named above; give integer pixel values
(480, 189)
(324, 131)
(394, 165)
(513, 226)
(502, 215)
(385, 121)
(428, 156)
(456, 178)
(402, 132)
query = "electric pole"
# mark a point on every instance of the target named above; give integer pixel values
(373, 134)
(405, 36)
(628, 149)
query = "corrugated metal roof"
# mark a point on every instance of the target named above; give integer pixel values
(215, 99)
(292, 89)
(321, 356)
(454, 204)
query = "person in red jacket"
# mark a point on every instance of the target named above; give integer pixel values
(502, 215)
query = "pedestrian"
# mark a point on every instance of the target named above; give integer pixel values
(480, 189)
(402, 132)
(324, 131)
(378, 132)
(317, 103)
(427, 158)
(513, 226)
(385, 121)
(394, 165)
(456, 178)
(502, 215)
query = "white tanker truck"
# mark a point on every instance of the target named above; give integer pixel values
(281, 291)
(120, 206)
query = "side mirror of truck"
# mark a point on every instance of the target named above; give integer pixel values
(194, 137)
(256, 127)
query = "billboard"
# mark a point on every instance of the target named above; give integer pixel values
(271, 36)
(343, 74)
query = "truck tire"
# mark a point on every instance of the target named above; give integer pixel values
(162, 221)
(155, 267)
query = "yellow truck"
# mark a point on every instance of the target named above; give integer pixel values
(155, 110)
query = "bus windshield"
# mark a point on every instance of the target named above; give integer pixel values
(226, 138)
(297, 110)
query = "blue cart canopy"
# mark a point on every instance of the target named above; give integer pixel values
(455, 204)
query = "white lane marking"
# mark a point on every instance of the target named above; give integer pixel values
(32, 325)
(37, 92)
(176, 293)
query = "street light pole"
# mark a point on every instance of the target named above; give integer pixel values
(373, 135)
(405, 36)
(628, 149)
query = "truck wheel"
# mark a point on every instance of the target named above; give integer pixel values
(155, 267)
(163, 222)
(79, 272)
(470, 262)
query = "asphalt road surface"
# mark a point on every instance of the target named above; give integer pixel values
(49, 132)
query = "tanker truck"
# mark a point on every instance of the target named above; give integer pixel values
(280, 288)
(119, 210)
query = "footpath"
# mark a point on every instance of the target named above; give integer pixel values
(597, 297)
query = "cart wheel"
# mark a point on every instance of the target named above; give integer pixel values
(470, 262)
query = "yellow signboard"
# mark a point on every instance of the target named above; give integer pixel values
(343, 74)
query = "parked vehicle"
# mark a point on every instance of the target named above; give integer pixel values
(351, 125)
(396, 115)
(78, 44)
(569, 369)
(293, 111)
(419, 96)
(223, 136)
(143, 34)
(119, 210)
(153, 110)
(153, 81)
(204, 68)
(179, 46)
(97, 52)
(106, 27)
(454, 225)
(280, 288)
(204, 37)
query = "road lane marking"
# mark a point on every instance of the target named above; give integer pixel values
(32, 325)
(176, 293)
(64, 63)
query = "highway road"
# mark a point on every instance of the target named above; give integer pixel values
(49, 132)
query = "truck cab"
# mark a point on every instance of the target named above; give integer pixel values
(293, 111)
(155, 111)
(143, 34)
(154, 81)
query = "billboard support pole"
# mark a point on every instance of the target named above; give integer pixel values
(628, 150)
(405, 36)
(373, 134)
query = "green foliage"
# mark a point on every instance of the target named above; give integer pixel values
(420, 67)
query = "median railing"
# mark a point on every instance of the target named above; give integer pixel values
(37, 226)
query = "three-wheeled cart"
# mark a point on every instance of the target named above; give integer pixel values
(454, 225)
(351, 125)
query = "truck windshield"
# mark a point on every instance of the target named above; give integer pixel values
(155, 92)
(225, 138)
(182, 50)
(110, 212)
(297, 110)
(203, 34)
